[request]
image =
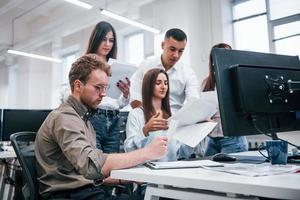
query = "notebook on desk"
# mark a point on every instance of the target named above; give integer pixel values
(183, 164)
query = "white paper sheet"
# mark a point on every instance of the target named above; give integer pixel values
(193, 134)
(211, 97)
(196, 110)
(183, 164)
(264, 169)
(173, 124)
(119, 72)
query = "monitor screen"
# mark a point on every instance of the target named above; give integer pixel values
(15, 120)
(257, 92)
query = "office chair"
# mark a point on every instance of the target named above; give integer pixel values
(23, 144)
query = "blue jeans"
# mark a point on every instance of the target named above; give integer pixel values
(226, 145)
(107, 129)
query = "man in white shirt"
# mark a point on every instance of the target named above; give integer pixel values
(183, 84)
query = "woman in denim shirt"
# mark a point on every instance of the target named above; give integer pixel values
(103, 42)
(217, 142)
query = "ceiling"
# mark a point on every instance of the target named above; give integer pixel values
(26, 24)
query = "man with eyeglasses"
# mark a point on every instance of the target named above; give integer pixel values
(69, 165)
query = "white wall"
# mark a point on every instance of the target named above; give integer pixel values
(206, 22)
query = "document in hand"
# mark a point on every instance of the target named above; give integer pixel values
(195, 110)
(211, 97)
(119, 72)
(183, 127)
(183, 164)
(193, 134)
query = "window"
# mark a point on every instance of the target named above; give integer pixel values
(134, 45)
(66, 66)
(280, 8)
(267, 25)
(257, 40)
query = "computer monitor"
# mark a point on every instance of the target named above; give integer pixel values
(257, 92)
(17, 120)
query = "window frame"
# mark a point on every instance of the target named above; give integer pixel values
(271, 24)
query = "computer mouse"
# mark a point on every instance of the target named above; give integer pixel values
(223, 157)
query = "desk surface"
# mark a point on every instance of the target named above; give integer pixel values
(277, 186)
(8, 153)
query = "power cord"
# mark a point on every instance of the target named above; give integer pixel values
(253, 119)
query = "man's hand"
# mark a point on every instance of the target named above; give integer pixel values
(157, 148)
(124, 87)
(156, 122)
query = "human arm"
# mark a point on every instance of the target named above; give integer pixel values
(155, 150)
(135, 139)
(124, 87)
(136, 82)
(192, 89)
(73, 137)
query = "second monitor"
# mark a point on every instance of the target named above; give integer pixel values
(17, 120)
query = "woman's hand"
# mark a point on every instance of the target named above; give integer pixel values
(156, 122)
(124, 87)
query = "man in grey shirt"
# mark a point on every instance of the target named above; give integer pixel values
(68, 163)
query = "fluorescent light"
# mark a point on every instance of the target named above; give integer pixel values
(80, 3)
(128, 21)
(33, 56)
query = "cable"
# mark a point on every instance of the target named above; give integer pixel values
(253, 118)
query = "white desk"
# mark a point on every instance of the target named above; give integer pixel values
(7, 174)
(8, 153)
(196, 183)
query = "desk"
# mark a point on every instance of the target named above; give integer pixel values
(198, 183)
(7, 176)
(8, 153)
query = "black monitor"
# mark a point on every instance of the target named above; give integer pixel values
(16, 120)
(257, 92)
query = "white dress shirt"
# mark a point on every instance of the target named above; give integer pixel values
(109, 103)
(135, 138)
(183, 82)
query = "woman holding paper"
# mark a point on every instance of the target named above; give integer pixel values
(103, 42)
(217, 142)
(152, 115)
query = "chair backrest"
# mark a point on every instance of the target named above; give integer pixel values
(23, 144)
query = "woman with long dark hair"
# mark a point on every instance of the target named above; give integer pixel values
(152, 115)
(103, 42)
(217, 142)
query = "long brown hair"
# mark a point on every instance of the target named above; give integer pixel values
(210, 82)
(97, 35)
(147, 94)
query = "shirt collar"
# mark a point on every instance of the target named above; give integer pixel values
(172, 68)
(81, 109)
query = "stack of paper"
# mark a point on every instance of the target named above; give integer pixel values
(264, 169)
